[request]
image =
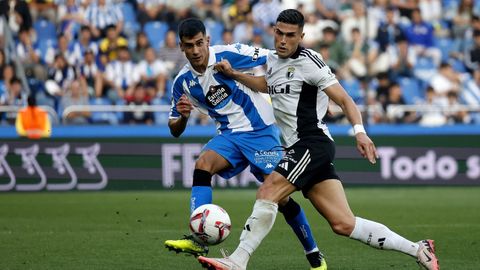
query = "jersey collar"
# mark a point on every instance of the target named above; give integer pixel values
(297, 52)
(211, 61)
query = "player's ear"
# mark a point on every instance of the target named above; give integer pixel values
(208, 41)
(180, 44)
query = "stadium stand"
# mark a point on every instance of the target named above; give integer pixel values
(454, 31)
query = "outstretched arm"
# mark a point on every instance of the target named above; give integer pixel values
(364, 144)
(255, 83)
(178, 125)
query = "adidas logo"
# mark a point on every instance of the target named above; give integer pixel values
(284, 166)
(381, 241)
(291, 152)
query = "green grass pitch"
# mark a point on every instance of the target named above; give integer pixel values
(126, 230)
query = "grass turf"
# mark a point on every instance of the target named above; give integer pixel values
(126, 230)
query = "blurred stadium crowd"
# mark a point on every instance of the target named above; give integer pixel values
(422, 53)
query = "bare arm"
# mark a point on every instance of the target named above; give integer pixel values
(255, 83)
(364, 144)
(178, 125)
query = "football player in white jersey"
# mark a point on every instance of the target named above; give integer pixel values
(300, 85)
(246, 134)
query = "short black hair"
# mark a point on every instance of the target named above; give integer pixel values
(291, 16)
(190, 27)
(31, 100)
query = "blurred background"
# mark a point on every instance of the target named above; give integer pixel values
(103, 69)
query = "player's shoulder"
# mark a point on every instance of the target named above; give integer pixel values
(183, 73)
(310, 57)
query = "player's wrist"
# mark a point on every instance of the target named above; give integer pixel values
(358, 128)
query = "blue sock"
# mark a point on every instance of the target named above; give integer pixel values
(301, 227)
(200, 195)
(296, 218)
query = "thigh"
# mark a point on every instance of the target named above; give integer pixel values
(275, 188)
(225, 150)
(211, 161)
(329, 198)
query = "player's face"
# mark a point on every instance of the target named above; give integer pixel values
(287, 39)
(196, 50)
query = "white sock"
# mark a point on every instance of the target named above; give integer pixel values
(258, 225)
(379, 236)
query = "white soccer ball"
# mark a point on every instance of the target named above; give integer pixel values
(210, 224)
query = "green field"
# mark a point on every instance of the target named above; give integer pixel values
(126, 230)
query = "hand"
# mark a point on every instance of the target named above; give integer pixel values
(184, 106)
(225, 68)
(366, 147)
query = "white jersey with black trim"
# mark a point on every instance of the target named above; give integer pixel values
(296, 87)
(233, 106)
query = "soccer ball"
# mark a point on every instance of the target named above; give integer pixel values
(210, 224)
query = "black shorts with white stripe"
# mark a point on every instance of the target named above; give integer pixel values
(308, 162)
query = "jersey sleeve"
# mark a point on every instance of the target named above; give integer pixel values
(177, 92)
(316, 72)
(242, 56)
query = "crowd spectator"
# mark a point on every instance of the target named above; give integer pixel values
(139, 98)
(17, 14)
(60, 75)
(109, 45)
(70, 18)
(77, 94)
(33, 122)
(171, 54)
(444, 81)
(81, 45)
(141, 45)
(153, 73)
(119, 78)
(472, 55)
(90, 74)
(394, 113)
(152, 10)
(402, 59)
(420, 35)
(100, 14)
(14, 96)
(28, 54)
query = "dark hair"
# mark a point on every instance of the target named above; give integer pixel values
(15, 80)
(291, 16)
(190, 27)
(31, 100)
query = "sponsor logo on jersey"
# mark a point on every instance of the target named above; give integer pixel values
(278, 89)
(291, 152)
(290, 72)
(217, 95)
(256, 54)
(269, 166)
(269, 72)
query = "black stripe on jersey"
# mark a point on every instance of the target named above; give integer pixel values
(307, 118)
(314, 58)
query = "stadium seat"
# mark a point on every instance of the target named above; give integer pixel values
(156, 32)
(411, 91)
(45, 30)
(215, 31)
(131, 25)
(424, 69)
(103, 117)
(458, 65)
(446, 46)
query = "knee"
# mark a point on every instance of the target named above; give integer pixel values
(202, 164)
(343, 226)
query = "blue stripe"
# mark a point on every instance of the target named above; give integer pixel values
(243, 100)
(240, 61)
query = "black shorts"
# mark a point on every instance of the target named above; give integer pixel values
(308, 162)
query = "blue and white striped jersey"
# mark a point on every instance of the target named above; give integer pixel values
(233, 106)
